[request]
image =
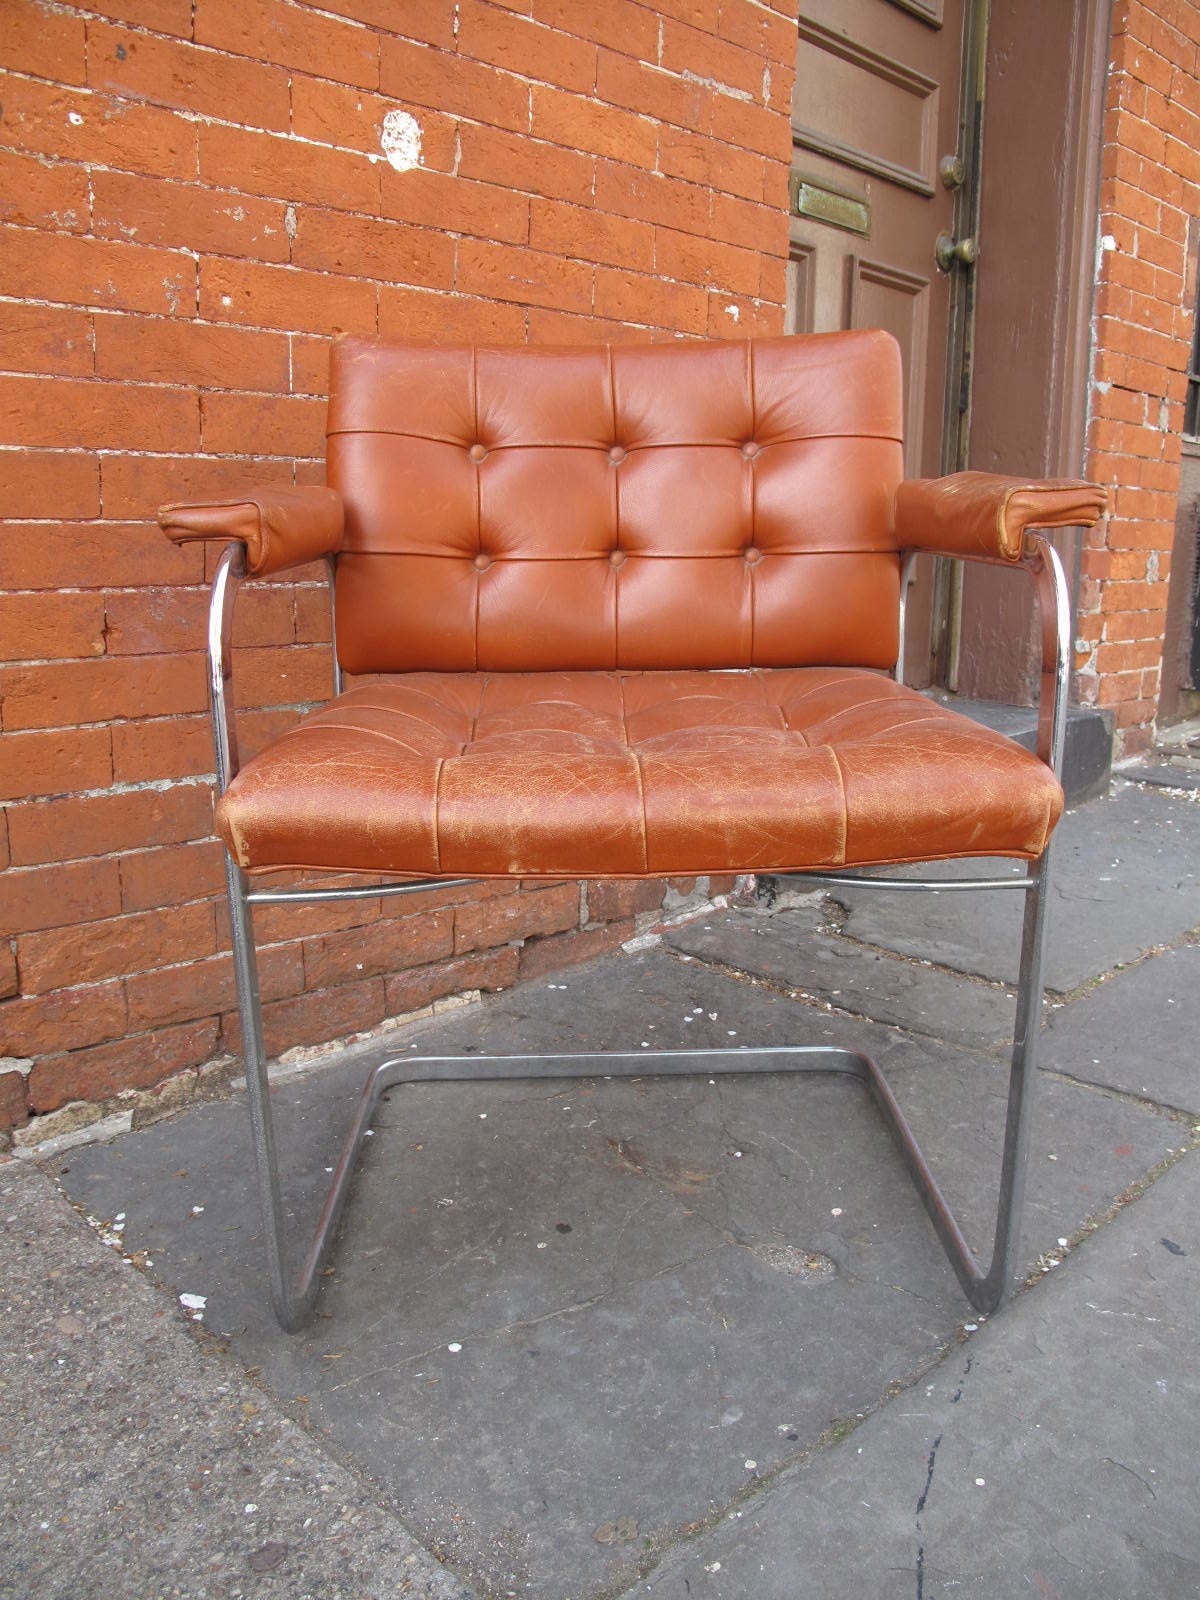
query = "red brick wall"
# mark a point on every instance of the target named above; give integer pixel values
(193, 198)
(1150, 191)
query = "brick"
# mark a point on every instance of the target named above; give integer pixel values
(55, 762)
(457, 205)
(525, 164)
(679, 307)
(69, 694)
(520, 915)
(276, 166)
(8, 969)
(645, 88)
(333, 113)
(165, 350)
(568, 327)
(626, 192)
(41, 1024)
(262, 425)
(290, 36)
(43, 42)
(26, 477)
(63, 412)
(165, 747)
(35, 627)
(420, 76)
(723, 167)
(96, 272)
(315, 1018)
(162, 16)
(147, 622)
(721, 62)
(14, 1110)
(206, 988)
(420, 987)
(752, 127)
(101, 129)
(540, 956)
(521, 45)
(58, 895)
(766, 34)
(616, 899)
(187, 216)
(61, 829)
(60, 958)
(295, 676)
(89, 555)
(186, 77)
(394, 943)
(526, 277)
(588, 124)
(423, 314)
(429, 20)
(100, 1072)
(582, 233)
(370, 247)
(285, 297)
(631, 29)
(170, 876)
(309, 364)
(37, 193)
(703, 261)
(132, 486)
(44, 339)
(743, 222)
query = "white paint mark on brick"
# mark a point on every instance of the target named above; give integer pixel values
(1108, 242)
(400, 140)
(734, 313)
(75, 118)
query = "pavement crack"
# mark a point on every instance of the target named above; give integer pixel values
(930, 1465)
(1149, 1488)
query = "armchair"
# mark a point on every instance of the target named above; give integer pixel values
(630, 612)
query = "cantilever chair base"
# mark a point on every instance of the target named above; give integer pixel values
(293, 1298)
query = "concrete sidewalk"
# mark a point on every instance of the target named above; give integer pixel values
(674, 1337)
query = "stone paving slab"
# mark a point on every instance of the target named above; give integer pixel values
(1052, 1454)
(1127, 879)
(650, 1284)
(785, 949)
(1138, 1033)
(134, 1463)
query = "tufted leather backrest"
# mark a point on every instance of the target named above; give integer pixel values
(726, 504)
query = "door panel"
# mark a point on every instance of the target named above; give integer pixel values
(874, 108)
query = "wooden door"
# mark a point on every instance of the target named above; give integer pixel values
(875, 135)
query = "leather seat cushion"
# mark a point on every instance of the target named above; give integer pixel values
(609, 774)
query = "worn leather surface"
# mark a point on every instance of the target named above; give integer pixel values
(280, 526)
(592, 774)
(726, 504)
(986, 514)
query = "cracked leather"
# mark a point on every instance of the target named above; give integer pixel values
(547, 554)
(598, 774)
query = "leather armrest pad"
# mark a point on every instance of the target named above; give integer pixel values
(280, 526)
(984, 514)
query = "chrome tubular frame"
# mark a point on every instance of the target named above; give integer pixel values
(293, 1297)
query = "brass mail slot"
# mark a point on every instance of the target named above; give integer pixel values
(828, 205)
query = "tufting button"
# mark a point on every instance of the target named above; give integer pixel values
(749, 449)
(617, 453)
(478, 452)
(616, 558)
(482, 562)
(752, 555)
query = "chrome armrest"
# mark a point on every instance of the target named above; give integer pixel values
(231, 569)
(1041, 561)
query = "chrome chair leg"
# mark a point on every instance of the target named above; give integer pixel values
(293, 1298)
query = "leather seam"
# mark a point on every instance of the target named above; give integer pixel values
(841, 776)
(478, 495)
(435, 820)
